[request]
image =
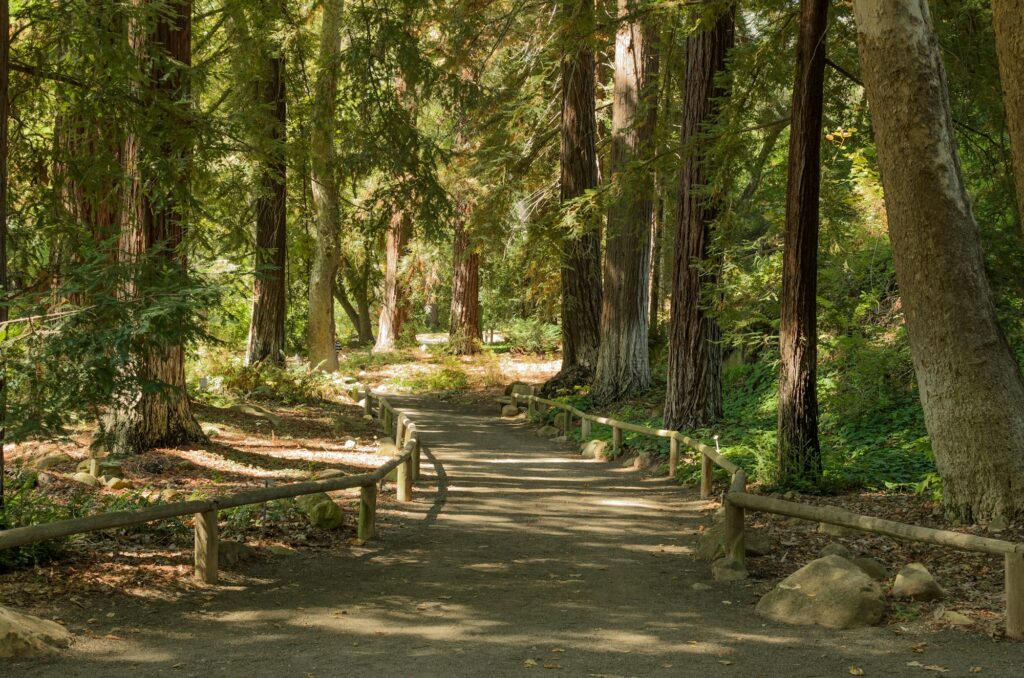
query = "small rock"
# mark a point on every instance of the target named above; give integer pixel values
(211, 431)
(321, 511)
(954, 618)
(349, 444)
(367, 417)
(915, 582)
(86, 479)
(836, 530)
(594, 449)
(872, 568)
(997, 524)
(119, 484)
(548, 432)
(26, 637)
(834, 549)
(233, 552)
(700, 586)
(643, 460)
(111, 469)
(726, 569)
(830, 591)
(510, 411)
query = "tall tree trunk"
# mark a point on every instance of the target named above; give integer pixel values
(393, 308)
(5, 50)
(266, 329)
(623, 368)
(1008, 19)
(970, 384)
(799, 454)
(158, 413)
(465, 334)
(325, 189)
(693, 396)
(654, 284)
(581, 249)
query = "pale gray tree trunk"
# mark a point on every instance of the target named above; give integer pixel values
(623, 368)
(324, 171)
(970, 383)
(1008, 20)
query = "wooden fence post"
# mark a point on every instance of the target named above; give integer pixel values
(1014, 595)
(367, 402)
(404, 481)
(673, 456)
(616, 440)
(416, 456)
(531, 407)
(735, 546)
(585, 429)
(367, 512)
(207, 542)
(400, 431)
(707, 467)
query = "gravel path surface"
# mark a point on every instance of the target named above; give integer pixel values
(516, 557)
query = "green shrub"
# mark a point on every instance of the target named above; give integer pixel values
(449, 376)
(25, 507)
(532, 336)
(227, 378)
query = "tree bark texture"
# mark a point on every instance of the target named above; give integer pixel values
(798, 452)
(5, 51)
(393, 308)
(654, 284)
(153, 231)
(1008, 20)
(465, 332)
(581, 249)
(623, 367)
(970, 384)
(325, 190)
(266, 328)
(693, 397)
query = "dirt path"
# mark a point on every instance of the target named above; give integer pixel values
(515, 557)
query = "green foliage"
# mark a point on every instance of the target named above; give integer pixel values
(532, 336)
(24, 507)
(228, 379)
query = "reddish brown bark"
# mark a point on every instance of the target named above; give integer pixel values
(5, 49)
(465, 332)
(799, 453)
(393, 309)
(694, 390)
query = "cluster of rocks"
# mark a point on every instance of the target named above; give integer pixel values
(90, 472)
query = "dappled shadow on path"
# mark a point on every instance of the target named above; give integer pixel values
(516, 555)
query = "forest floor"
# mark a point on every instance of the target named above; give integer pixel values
(516, 555)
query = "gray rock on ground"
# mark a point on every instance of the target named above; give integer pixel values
(915, 582)
(594, 449)
(25, 637)
(86, 479)
(831, 592)
(321, 511)
(872, 568)
(711, 545)
(510, 411)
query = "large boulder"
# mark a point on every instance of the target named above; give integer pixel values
(831, 592)
(915, 582)
(26, 637)
(321, 511)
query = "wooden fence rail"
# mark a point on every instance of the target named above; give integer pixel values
(407, 461)
(737, 501)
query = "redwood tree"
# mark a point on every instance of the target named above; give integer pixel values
(799, 453)
(694, 390)
(623, 367)
(581, 249)
(465, 331)
(153, 233)
(393, 308)
(1008, 20)
(325, 190)
(266, 329)
(5, 50)
(970, 383)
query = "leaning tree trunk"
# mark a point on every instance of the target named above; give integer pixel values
(970, 384)
(465, 334)
(1008, 20)
(266, 329)
(581, 249)
(623, 368)
(798, 453)
(393, 308)
(325, 190)
(693, 396)
(5, 50)
(158, 412)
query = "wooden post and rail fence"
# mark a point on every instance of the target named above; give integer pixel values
(737, 501)
(204, 511)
